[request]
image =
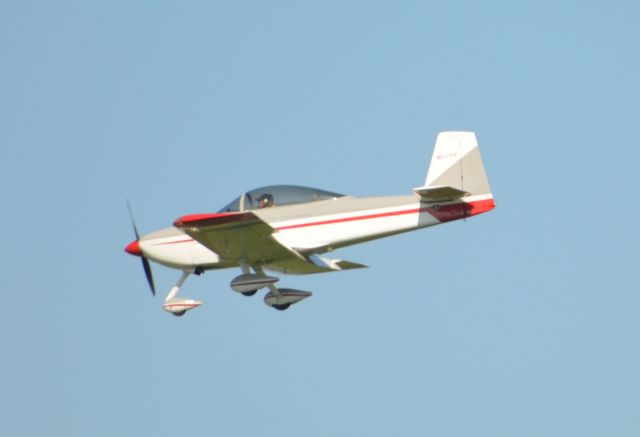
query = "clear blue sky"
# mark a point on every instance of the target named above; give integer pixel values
(521, 322)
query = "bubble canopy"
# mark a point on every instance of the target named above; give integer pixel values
(278, 195)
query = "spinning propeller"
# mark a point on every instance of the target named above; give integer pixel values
(134, 249)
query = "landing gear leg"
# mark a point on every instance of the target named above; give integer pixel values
(278, 297)
(174, 290)
(244, 266)
(258, 269)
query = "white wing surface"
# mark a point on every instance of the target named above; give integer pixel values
(243, 236)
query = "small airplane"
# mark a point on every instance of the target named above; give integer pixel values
(286, 228)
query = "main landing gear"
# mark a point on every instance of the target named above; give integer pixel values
(249, 283)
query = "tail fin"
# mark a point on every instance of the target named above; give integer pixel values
(456, 167)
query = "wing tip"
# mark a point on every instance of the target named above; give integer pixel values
(217, 218)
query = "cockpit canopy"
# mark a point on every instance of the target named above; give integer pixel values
(278, 195)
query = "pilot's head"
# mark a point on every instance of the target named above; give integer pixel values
(265, 201)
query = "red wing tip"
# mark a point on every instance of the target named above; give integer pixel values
(192, 218)
(212, 218)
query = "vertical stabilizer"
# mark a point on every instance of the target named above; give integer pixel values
(456, 163)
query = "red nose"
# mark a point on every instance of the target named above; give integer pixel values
(134, 248)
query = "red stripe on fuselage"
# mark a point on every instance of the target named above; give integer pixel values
(354, 218)
(189, 240)
(444, 213)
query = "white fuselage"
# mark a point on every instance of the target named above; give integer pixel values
(312, 228)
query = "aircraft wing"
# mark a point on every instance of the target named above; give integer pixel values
(243, 236)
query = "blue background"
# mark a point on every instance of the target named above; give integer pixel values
(520, 322)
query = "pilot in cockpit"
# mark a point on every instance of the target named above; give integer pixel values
(265, 201)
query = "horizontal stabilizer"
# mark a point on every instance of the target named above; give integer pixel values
(439, 193)
(348, 265)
